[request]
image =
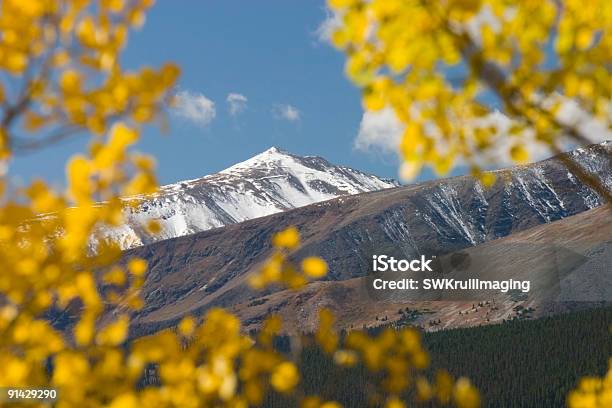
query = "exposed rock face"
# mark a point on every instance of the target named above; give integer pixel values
(270, 182)
(191, 273)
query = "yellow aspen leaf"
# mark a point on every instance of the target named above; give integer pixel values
(116, 276)
(487, 36)
(187, 326)
(169, 74)
(285, 377)
(331, 404)
(80, 185)
(114, 333)
(135, 302)
(295, 281)
(444, 387)
(340, 4)
(137, 266)
(256, 281)
(34, 121)
(16, 62)
(443, 165)
(127, 400)
(314, 267)
(227, 388)
(346, 358)
(410, 340)
(325, 335)
(15, 370)
(113, 5)
(394, 402)
(272, 325)
(487, 179)
(386, 8)
(584, 38)
(144, 162)
(86, 287)
(153, 227)
(60, 58)
(21, 332)
(208, 382)
(288, 238)
(27, 266)
(143, 113)
(70, 369)
(519, 154)
(578, 399)
(398, 59)
(420, 359)
(424, 390)
(4, 144)
(272, 270)
(412, 138)
(70, 81)
(96, 124)
(373, 101)
(339, 38)
(43, 300)
(123, 135)
(587, 89)
(465, 394)
(136, 18)
(84, 330)
(141, 183)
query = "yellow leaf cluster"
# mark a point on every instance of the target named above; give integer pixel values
(74, 80)
(434, 64)
(279, 270)
(54, 261)
(592, 392)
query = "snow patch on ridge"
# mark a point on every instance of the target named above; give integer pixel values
(268, 183)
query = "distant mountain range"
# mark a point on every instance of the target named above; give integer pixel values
(191, 273)
(271, 182)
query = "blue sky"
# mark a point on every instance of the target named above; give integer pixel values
(266, 51)
(287, 83)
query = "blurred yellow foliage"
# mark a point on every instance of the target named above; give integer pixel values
(592, 392)
(66, 53)
(444, 67)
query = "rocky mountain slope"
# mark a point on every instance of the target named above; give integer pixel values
(271, 182)
(190, 274)
(568, 263)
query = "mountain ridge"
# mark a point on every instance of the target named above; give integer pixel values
(192, 273)
(270, 182)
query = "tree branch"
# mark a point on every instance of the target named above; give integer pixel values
(496, 80)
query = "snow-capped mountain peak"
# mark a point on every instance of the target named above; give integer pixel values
(270, 182)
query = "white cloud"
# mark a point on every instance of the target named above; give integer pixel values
(498, 154)
(195, 107)
(382, 131)
(379, 130)
(569, 114)
(327, 27)
(237, 103)
(286, 112)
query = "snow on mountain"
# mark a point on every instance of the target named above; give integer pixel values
(270, 182)
(190, 274)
